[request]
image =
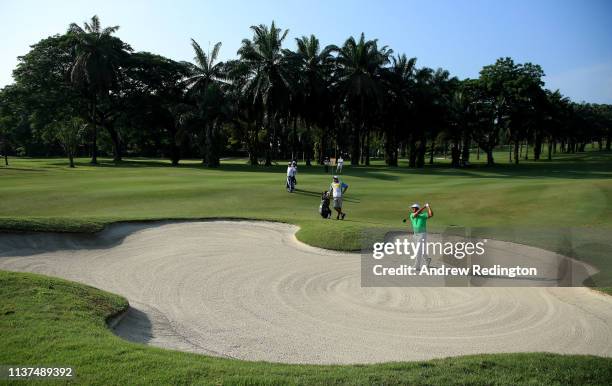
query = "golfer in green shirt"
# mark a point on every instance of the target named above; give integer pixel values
(419, 228)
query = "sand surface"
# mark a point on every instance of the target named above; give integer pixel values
(249, 290)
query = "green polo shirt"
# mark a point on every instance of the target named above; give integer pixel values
(419, 222)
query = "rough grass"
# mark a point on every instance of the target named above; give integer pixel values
(47, 321)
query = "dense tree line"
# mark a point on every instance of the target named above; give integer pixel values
(87, 91)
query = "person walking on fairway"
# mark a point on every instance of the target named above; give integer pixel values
(291, 173)
(418, 219)
(339, 164)
(337, 190)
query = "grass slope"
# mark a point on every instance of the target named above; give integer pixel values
(47, 321)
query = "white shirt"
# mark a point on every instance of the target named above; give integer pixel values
(291, 171)
(340, 161)
(336, 188)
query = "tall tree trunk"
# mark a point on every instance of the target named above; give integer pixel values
(391, 148)
(516, 152)
(367, 147)
(455, 155)
(271, 121)
(551, 146)
(294, 140)
(94, 144)
(175, 154)
(355, 150)
(361, 149)
(420, 163)
(269, 154)
(116, 142)
(467, 143)
(431, 151)
(175, 150)
(537, 147)
(478, 153)
(212, 151)
(490, 160)
(71, 160)
(322, 145)
(609, 139)
(412, 156)
(252, 141)
(308, 145)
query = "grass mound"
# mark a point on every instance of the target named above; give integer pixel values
(47, 321)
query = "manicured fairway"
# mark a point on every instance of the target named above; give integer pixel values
(47, 321)
(564, 205)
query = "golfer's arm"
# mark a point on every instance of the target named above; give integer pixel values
(429, 212)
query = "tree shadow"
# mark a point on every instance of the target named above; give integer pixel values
(593, 164)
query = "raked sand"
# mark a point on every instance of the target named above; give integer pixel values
(249, 290)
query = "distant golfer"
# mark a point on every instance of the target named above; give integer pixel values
(339, 165)
(337, 190)
(419, 228)
(291, 173)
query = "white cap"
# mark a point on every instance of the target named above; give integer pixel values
(335, 177)
(415, 206)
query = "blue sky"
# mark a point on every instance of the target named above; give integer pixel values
(571, 40)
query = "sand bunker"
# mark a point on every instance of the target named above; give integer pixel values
(249, 290)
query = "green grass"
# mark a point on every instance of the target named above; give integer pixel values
(563, 205)
(545, 204)
(49, 321)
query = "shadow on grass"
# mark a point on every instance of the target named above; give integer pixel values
(318, 195)
(594, 164)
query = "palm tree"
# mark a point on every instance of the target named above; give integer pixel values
(245, 116)
(422, 98)
(205, 71)
(399, 85)
(443, 87)
(204, 83)
(311, 68)
(462, 116)
(359, 71)
(267, 77)
(95, 67)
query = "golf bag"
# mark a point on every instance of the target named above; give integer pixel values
(324, 209)
(290, 184)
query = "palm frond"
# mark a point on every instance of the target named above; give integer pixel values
(200, 58)
(214, 53)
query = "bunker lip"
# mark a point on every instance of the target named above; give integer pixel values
(250, 290)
